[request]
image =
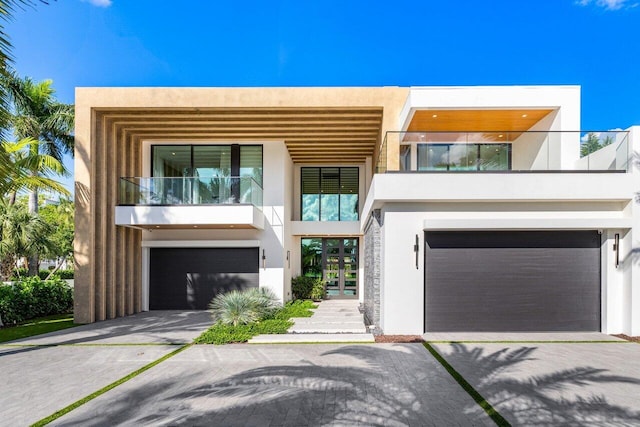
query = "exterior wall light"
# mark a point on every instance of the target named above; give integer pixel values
(616, 248)
(264, 260)
(416, 249)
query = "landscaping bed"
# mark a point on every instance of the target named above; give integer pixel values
(399, 339)
(628, 338)
(274, 321)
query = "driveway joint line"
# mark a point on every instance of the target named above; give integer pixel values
(475, 395)
(107, 388)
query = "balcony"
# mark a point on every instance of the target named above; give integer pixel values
(503, 152)
(190, 202)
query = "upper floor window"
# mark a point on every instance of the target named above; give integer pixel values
(329, 193)
(457, 157)
(204, 174)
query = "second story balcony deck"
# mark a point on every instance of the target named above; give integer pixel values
(537, 174)
(190, 202)
(481, 152)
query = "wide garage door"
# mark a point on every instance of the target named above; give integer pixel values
(188, 278)
(512, 281)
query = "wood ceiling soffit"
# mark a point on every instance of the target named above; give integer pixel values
(311, 135)
(476, 120)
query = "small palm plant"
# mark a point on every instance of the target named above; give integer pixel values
(243, 307)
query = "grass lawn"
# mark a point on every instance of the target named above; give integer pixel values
(40, 325)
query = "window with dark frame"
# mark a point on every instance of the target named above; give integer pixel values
(329, 193)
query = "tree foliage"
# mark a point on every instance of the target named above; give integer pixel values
(20, 158)
(593, 143)
(60, 217)
(35, 113)
(7, 8)
(22, 234)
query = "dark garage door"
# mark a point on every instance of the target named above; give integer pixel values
(187, 279)
(512, 281)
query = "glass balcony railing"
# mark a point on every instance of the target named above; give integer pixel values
(528, 151)
(190, 191)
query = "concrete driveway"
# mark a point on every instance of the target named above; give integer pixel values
(550, 379)
(297, 385)
(538, 383)
(43, 374)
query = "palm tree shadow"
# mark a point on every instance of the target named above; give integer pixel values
(357, 391)
(555, 398)
(377, 385)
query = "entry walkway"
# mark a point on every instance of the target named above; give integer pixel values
(332, 321)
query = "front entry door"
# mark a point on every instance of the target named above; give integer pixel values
(340, 267)
(335, 260)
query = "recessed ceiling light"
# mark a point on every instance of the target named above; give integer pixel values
(173, 154)
(231, 226)
(500, 136)
(524, 115)
(157, 226)
(195, 226)
(434, 116)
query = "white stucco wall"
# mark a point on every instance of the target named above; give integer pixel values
(403, 283)
(631, 254)
(412, 203)
(273, 239)
(555, 153)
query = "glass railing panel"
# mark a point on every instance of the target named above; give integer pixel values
(622, 151)
(190, 191)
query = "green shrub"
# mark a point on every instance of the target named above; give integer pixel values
(297, 308)
(225, 334)
(304, 287)
(228, 334)
(18, 274)
(278, 323)
(243, 307)
(33, 297)
(317, 291)
(271, 326)
(22, 273)
(66, 274)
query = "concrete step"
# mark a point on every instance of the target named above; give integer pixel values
(332, 321)
(338, 312)
(311, 338)
(327, 329)
(355, 315)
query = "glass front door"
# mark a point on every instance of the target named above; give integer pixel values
(336, 261)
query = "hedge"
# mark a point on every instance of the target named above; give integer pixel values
(304, 287)
(43, 274)
(34, 297)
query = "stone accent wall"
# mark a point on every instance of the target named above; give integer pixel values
(372, 270)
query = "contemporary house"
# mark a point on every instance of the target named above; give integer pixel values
(440, 208)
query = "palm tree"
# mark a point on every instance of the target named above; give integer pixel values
(38, 115)
(22, 234)
(18, 160)
(7, 7)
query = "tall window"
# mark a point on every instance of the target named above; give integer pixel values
(329, 194)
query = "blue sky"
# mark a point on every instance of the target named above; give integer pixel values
(592, 43)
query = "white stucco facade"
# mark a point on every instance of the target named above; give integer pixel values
(548, 187)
